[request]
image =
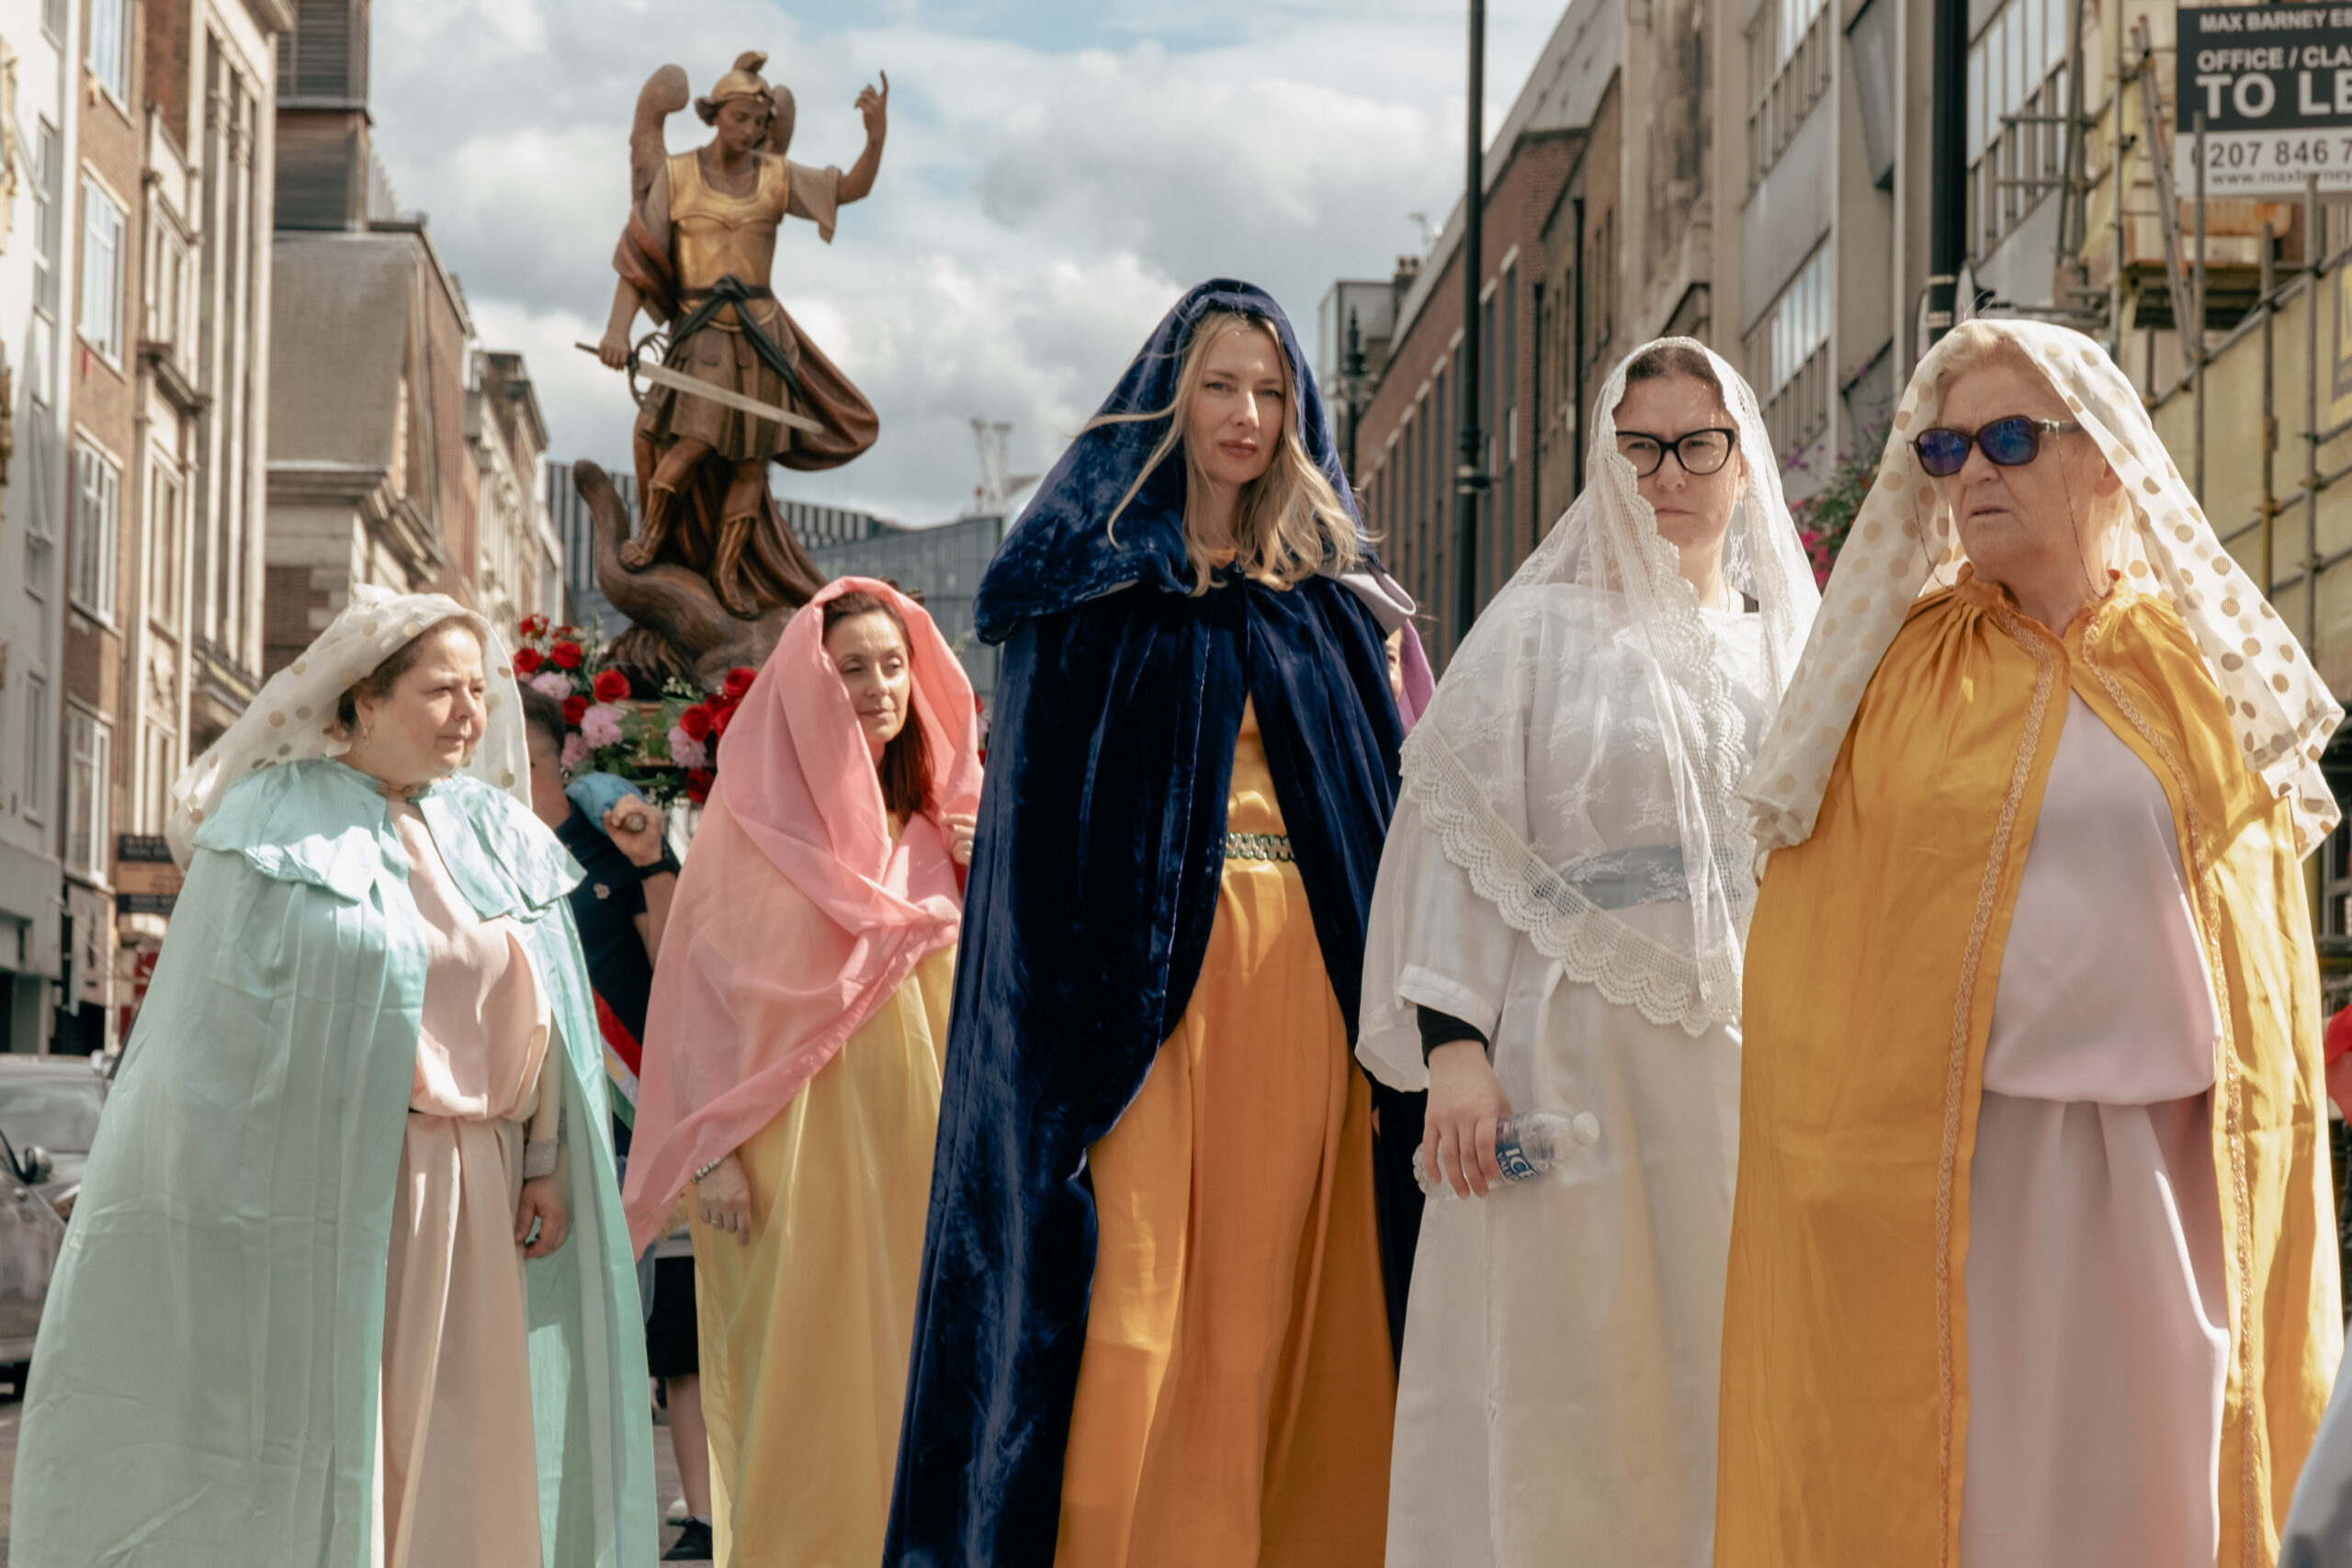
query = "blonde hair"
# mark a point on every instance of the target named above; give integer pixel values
(1971, 346)
(1288, 522)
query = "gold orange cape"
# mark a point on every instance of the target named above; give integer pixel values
(1874, 960)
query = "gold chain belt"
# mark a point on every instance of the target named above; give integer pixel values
(1258, 846)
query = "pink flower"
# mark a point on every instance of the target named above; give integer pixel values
(553, 683)
(685, 751)
(575, 751)
(601, 727)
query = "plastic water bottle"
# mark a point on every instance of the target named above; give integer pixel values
(1526, 1146)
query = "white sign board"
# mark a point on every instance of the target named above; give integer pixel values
(2275, 86)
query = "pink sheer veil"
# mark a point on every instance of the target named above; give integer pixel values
(797, 916)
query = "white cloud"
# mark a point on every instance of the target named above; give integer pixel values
(1041, 203)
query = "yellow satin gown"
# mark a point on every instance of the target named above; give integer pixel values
(806, 1330)
(1237, 1394)
(1872, 965)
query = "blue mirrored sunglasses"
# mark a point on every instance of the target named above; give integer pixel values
(2010, 443)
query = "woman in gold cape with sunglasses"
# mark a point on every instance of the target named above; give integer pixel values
(2027, 1261)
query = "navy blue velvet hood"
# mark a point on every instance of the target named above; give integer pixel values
(1062, 553)
(1087, 918)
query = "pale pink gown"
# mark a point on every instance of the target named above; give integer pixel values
(456, 1462)
(2097, 1338)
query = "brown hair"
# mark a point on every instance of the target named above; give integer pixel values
(377, 683)
(1663, 361)
(904, 766)
(544, 713)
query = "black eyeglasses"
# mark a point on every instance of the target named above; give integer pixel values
(2010, 443)
(1700, 453)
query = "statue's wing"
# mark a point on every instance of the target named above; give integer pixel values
(664, 94)
(780, 122)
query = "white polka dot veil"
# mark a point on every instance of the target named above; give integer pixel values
(1904, 544)
(294, 716)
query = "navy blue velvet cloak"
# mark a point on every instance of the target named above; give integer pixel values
(1086, 917)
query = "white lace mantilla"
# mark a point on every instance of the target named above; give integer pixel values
(1591, 946)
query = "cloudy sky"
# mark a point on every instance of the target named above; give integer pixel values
(1057, 173)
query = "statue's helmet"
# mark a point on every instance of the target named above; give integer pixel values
(744, 82)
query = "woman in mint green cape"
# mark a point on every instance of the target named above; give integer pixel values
(205, 1390)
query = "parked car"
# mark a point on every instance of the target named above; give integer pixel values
(49, 1113)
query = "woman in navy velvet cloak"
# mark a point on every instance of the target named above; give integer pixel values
(1152, 1325)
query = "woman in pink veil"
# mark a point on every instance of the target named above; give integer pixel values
(792, 1062)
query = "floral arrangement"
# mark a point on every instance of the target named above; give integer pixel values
(665, 743)
(1827, 516)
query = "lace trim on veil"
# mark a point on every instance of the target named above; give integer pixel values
(1592, 946)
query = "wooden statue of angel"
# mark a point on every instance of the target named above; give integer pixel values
(697, 255)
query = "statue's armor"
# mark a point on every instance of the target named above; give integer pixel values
(716, 234)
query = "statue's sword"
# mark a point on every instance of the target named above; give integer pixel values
(662, 375)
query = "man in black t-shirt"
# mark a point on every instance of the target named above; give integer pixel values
(620, 907)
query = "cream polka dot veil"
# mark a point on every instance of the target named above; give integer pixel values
(294, 716)
(1904, 544)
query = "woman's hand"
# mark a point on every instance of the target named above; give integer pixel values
(1467, 1105)
(643, 843)
(542, 1201)
(613, 349)
(723, 1198)
(961, 826)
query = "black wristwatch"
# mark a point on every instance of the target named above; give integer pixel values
(667, 864)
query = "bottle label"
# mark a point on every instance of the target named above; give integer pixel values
(1515, 1165)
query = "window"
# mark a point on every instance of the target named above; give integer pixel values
(167, 280)
(1789, 64)
(48, 196)
(36, 746)
(163, 537)
(87, 744)
(2016, 107)
(52, 19)
(1800, 321)
(159, 765)
(110, 50)
(98, 493)
(1792, 344)
(102, 259)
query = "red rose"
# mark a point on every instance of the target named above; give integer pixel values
(738, 682)
(534, 625)
(695, 722)
(528, 659)
(611, 685)
(575, 708)
(698, 782)
(567, 655)
(720, 718)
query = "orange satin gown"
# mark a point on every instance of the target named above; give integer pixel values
(1236, 1396)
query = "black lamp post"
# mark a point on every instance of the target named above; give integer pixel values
(1948, 166)
(1470, 471)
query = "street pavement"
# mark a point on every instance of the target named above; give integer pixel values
(665, 1466)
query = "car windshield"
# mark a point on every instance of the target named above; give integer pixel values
(59, 1114)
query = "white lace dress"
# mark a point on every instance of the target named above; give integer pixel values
(1557, 1400)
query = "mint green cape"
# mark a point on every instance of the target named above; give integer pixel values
(204, 1389)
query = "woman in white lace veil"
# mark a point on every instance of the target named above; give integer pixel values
(1566, 887)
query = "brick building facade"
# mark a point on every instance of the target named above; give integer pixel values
(1407, 442)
